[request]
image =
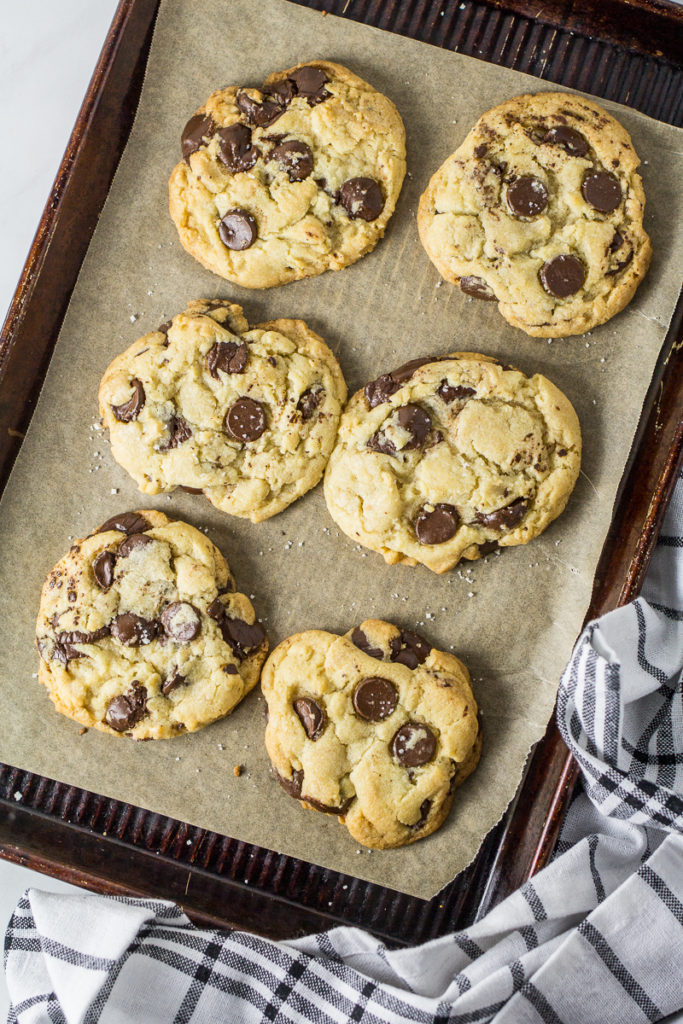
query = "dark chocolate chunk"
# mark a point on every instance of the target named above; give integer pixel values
(602, 190)
(563, 276)
(126, 711)
(414, 744)
(196, 132)
(477, 288)
(417, 422)
(437, 526)
(311, 716)
(488, 547)
(387, 384)
(235, 149)
(133, 541)
(409, 649)
(449, 392)
(294, 157)
(179, 431)
(173, 681)
(181, 621)
(228, 356)
(237, 230)
(572, 141)
(133, 630)
(361, 197)
(261, 114)
(425, 808)
(126, 522)
(527, 196)
(293, 785)
(165, 327)
(360, 640)
(231, 670)
(131, 409)
(241, 637)
(282, 91)
(245, 420)
(64, 649)
(375, 698)
(480, 151)
(103, 569)
(310, 83)
(309, 402)
(617, 241)
(380, 443)
(216, 610)
(504, 518)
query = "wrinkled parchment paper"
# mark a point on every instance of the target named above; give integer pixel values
(512, 619)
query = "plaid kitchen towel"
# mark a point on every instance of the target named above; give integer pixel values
(594, 938)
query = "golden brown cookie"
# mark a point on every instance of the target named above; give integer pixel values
(450, 458)
(541, 210)
(289, 180)
(375, 726)
(141, 630)
(247, 415)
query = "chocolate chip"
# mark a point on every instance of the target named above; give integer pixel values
(409, 649)
(311, 716)
(480, 151)
(261, 114)
(228, 356)
(449, 392)
(527, 196)
(241, 637)
(126, 711)
(165, 327)
(375, 698)
(382, 444)
(570, 140)
(126, 522)
(282, 91)
(231, 670)
(235, 149)
(216, 610)
(361, 197)
(504, 518)
(620, 264)
(417, 422)
(293, 785)
(134, 631)
(602, 190)
(179, 431)
(425, 808)
(477, 288)
(414, 744)
(133, 541)
(360, 640)
(309, 402)
(327, 808)
(563, 276)
(437, 526)
(181, 621)
(237, 230)
(172, 682)
(64, 650)
(130, 409)
(310, 83)
(245, 420)
(488, 547)
(103, 569)
(196, 132)
(387, 384)
(294, 157)
(617, 241)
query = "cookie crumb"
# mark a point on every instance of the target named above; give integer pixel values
(237, 770)
(82, 731)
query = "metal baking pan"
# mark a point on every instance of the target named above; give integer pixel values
(623, 50)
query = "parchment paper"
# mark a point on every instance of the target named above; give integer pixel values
(512, 619)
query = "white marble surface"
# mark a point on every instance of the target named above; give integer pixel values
(48, 50)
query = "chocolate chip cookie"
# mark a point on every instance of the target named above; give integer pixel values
(141, 631)
(248, 416)
(541, 210)
(285, 181)
(449, 458)
(375, 726)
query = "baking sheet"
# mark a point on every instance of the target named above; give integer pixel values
(513, 619)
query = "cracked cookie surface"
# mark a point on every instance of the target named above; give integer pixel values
(449, 458)
(141, 630)
(248, 416)
(375, 726)
(289, 180)
(541, 209)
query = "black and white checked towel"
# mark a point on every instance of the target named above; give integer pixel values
(596, 938)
